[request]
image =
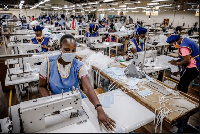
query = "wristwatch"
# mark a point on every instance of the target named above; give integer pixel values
(97, 106)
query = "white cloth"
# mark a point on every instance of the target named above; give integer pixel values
(64, 71)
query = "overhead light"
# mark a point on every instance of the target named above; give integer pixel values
(130, 8)
(92, 3)
(47, 4)
(108, 0)
(22, 2)
(46, 0)
(139, 7)
(55, 9)
(135, 11)
(93, 10)
(46, 8)
(122, 6)
(151, 4)
(159, 0)
(111, 11)
(113, 4)
(86, 10)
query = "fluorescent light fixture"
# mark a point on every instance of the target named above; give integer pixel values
(22, 1)
(108, 0)
(86, 10)
(100, 10)
(92, 3)
(47, 4)
(113, 4)
(159, 0)
(152, 4)
(131, 8)
(55, 9)
(139, 7)
(46, 0)
(111, 11)
(135, 11)
(122, 6)
(47, 8)
(93, 10)
(144, 11)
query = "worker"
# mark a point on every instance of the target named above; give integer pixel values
(33, 18)
(62, 72)
(189, 60)
(93, 31)
(130, 20)
(137, 44)
(73, 24)
(113, 38)
(39, 39)
(112, 28)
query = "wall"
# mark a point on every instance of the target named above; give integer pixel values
(26, 12)
(180, 17)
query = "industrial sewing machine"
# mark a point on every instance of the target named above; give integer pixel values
(50, 113)
(93, 40)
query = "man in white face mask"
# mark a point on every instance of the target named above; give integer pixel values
(61, 72)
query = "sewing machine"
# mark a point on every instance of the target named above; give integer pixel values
(68, 113)
(93, 40)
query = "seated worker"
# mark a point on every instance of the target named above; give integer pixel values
(62, 72)
(112, 28)
(39, 39)
(189, 60)
(137, 44)
(113, 39)
(93, 29)
(101, 25)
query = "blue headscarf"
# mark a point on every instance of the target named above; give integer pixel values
(141, 30)
(37, 28)
(173, 38)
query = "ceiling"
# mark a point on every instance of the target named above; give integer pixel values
(94, 5)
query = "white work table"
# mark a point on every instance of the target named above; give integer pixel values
(125, 111)
(106, 45)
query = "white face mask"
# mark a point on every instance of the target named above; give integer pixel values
(67, 57)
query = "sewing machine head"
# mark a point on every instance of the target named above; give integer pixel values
(33, 113)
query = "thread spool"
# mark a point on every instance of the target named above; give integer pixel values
(20, 52)
(12, 52)
(28, 67)
(17, 68)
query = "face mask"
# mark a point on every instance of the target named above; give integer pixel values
(176, 45)
(141, 40)
(68, 57)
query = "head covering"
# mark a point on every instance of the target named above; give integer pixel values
(37, 28)
(141, 30)
(173, 38)
(93, 27)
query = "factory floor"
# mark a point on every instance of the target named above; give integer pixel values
(192, 127)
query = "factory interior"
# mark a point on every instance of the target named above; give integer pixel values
(99, 66)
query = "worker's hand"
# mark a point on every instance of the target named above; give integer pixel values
(44, 46)
(103, 118)
(173, 62)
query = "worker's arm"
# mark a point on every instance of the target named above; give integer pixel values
(185, 61)
(102, 117)
(133, 50)
(43, 87)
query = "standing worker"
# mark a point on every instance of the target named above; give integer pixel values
(189, 60)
